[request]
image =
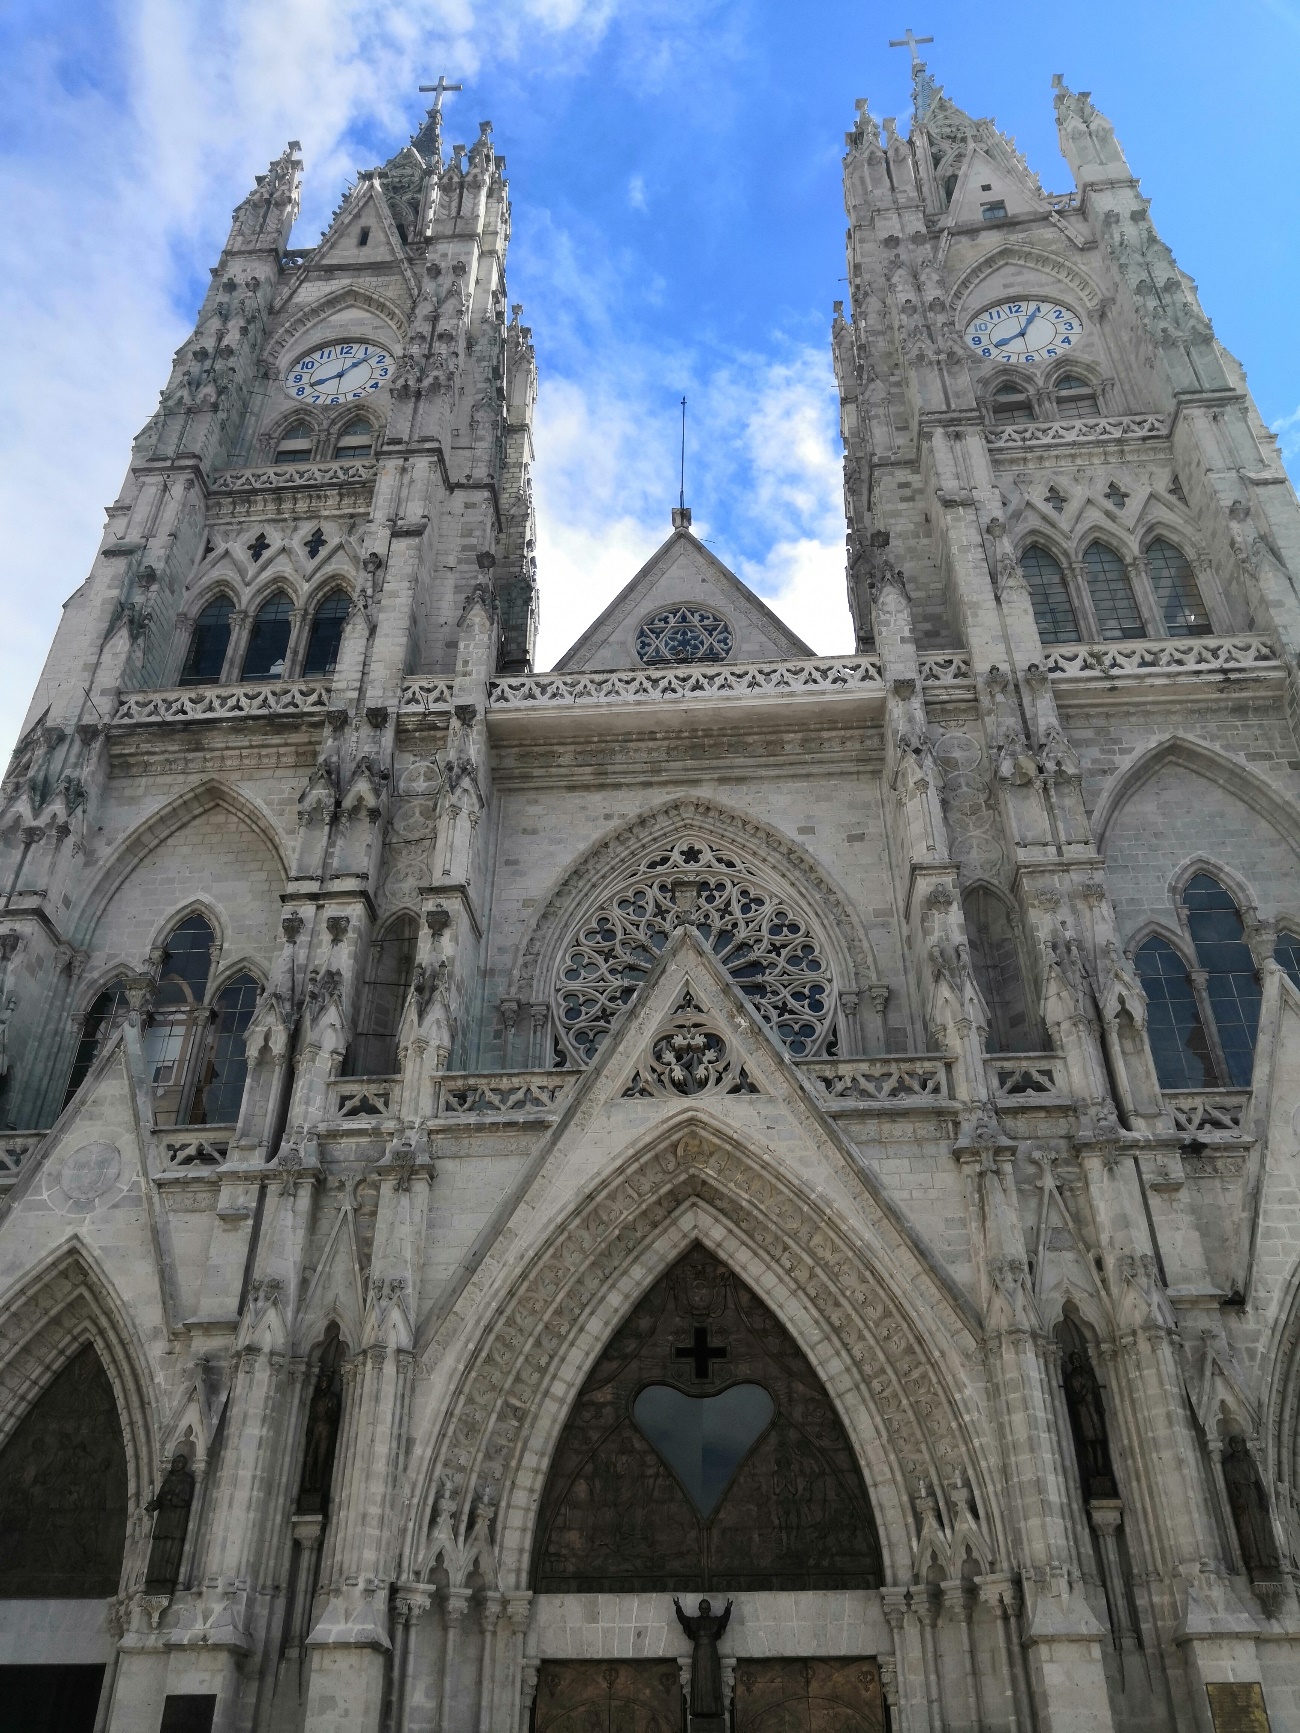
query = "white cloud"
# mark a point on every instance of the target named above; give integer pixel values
(636, 193)
(1287, 428)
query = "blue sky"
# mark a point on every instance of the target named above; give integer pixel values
(678, 227)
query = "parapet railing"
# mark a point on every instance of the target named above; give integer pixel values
(212, 703)
(1160, 655)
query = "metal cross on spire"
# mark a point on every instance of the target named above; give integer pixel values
(908, 40)
(439, 90)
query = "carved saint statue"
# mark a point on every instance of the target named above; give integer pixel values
(318, 1455)
(172, 1503)
(1250, 1512)
(1088, 1416)
(706, 1669)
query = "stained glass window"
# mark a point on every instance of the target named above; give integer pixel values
(220, 1088)
(211, 636)
(106, 1014)
(177, 1016)
(1053, 609)
(1221, 950)
(1287, 954)
(1177, 596)
(268, 642)
(326, 635)
(684, 634)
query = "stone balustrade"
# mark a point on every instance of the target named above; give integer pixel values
(1138, 656)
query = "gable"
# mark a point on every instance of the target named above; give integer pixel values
(683, 572)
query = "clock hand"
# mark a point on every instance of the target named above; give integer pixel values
(342, 370)
(1001, 342)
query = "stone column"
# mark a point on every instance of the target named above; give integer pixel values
(959, 1607)
(517, 1608)
(527, 1693)
(490, 1610)
(1106, 1514)
(410, 1605)
(909, 1661)
(454, 1605)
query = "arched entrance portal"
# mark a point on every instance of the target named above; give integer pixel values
(704, 1457)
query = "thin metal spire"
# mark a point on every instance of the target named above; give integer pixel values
(681, 498)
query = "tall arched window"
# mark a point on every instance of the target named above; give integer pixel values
(357, 440)
(1053, 609)
(294, 444)
(106, 1014)
(1010, 404)
(1112, 594)
(1233, 986)
(268, 642)
(1286, 954)
(326, 635)
(995, 958)
(1075, 398)
(373, 1052)
(1178, 1042)
(178, 1016)
(219, 1088)
(1177, 595)
(209, 642)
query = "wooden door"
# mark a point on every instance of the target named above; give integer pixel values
(836, 1696)
(608, 1697)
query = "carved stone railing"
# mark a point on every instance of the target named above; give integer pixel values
(361, 1097)
(1093, 430)
(697, 680)
(425, 694)
(1159, 655)
(1062, 201)
(206, 1148)
(1025, 1077)
(213, 703)
(945, 668)
(15, 1148)
(286, 475)
(500, 1093)
(893, 1079)
(1208, 1113)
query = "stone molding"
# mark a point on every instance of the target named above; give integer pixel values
(1092, 431)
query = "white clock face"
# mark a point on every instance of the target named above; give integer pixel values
(338, 373)
(1023, 331)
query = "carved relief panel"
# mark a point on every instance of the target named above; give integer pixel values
(704, 1454)
(838, 1696)
(608, 1697)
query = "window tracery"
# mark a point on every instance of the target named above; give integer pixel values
(687, 633)
(1182, 609)
(1050, 596)
(1112, 595)
(268, 642)
(767, 947)
(209, 641)
(326, 635)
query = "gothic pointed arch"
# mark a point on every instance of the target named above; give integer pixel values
(613, 862)
(887, 1339)
(1217, 767)
(155, 830)
(294, 330)
(1024, 259)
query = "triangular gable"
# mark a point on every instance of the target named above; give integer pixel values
(682, 571)
(989, 177)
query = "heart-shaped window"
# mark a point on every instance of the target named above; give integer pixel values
(704, 1439)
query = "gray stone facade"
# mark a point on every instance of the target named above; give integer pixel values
(947, 992)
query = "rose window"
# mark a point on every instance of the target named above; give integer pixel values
(684, 634)
(763, 942)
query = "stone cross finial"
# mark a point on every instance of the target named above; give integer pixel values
(908, 40)
(439, 90)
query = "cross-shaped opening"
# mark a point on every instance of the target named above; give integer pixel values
(701, 1353)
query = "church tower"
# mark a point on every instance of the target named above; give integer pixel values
(707, 1188)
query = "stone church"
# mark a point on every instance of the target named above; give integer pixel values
(489, 1155)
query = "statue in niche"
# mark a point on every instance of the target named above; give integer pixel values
(707, 1699)
(1250, 1513)
(1087, 1414)
(171, 1505)
(324, 1413)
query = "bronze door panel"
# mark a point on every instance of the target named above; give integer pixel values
(608, 1697)
(839, 1696)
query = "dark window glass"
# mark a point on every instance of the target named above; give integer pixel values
(356, 440)
(1286, 953)
(373, 1052)
(1112, 594)
(105, 1015)
(268, 642)
(1075, 398)
(1178, 1044)
(1053, 609)
(326, 635)
(294, 444)
(208, 644)
(704, 1443)
(225, 1064)
(177, 1015)
(1010, 405)
(995, 958)
(993, 211)
(1177, 594)
(1233, 985)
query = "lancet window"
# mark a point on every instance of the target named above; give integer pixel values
(356, 441)
(1231, 984)
(104, 1016)
(326, 635)
(768, 947)
(1182, 611)
(268, 642)
(1076, 399)
(294, 444)
(1178, 1040)
(1113, 601)
(995, 959)
(1053, 609)
(209, 641)
(1010, 405)
(389, 972)
(1286, 953)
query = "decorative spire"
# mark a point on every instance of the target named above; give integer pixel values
(428, 141)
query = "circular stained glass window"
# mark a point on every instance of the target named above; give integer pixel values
(684, 634)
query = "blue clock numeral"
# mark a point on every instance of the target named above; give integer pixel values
(1066, 342)
(383, 373)
(347, 348)
(301, 391)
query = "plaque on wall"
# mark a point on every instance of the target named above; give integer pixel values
(1238, 1708)
(608, 1697)
(842, 1695)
